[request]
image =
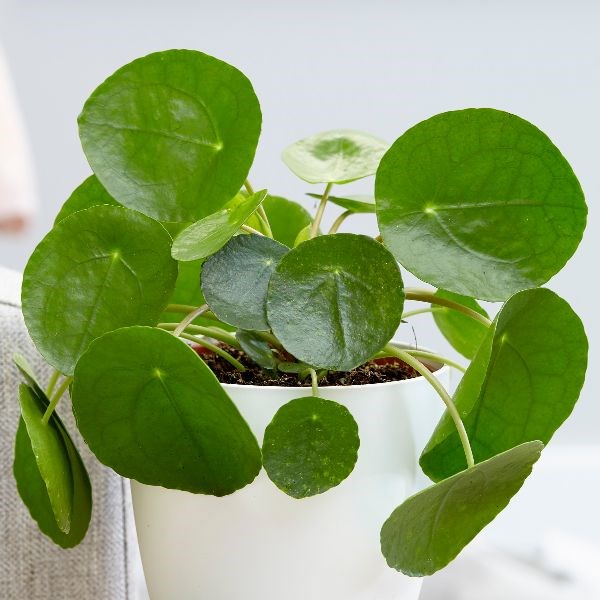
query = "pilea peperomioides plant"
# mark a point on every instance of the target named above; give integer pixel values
(168, 245)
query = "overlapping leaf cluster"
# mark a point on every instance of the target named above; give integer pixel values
(478, 203)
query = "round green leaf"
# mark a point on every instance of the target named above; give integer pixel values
(480, 193)
(286, 218)
(205, 237)
(337, 156)
(235, 280)
(99, 269)
(150, 408)
(90, 193)
(430, 529)
(257, 349)
(462, 332)
(335, 300)
(172, 134)
(521, 385)
(357, 203)
(310, 446)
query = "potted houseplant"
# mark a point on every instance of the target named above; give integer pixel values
(214, 340)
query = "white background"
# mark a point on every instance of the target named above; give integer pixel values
(363, 64)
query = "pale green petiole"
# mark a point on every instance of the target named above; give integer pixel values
(213, 332)
(62, 388)
(222, 353)
(320, 210)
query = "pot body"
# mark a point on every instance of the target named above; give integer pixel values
(259, 544)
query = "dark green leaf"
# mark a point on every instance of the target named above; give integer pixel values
(337, 156)
(335, 300)
(310, 446)
(464, 333)
(150, 408)
(286, 219)
(483, 194)
(97, 270)
(257, 349)
(235, 280)
(172, 134)
(205, 237)
(522, 384)
(90, 193)
(358, 203)
(429, 529)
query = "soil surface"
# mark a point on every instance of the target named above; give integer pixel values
(379, 371)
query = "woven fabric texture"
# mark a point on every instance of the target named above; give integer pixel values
(103, 566)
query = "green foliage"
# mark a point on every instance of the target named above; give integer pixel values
(358, 203)
(235, 280)
(172, 134)
(90, 193)
(327, 304)
(287, 219)
(205, 237)
(522, 384)
(97, 270)
(429, 529)
(310, 446)
(150, 408)
(337, 156)
(257, 349)
(479, 191)
(464, 333)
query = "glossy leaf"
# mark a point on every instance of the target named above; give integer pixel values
(335, 300)
(90, 193)
(257, 349)
(358, 203)
(483, 194)
(337, 156)
(51, 456)
(205, 237)
(430, 529)
(150, 408)
(310, 446)
(462, 332)
(99, 269)
(286, 218)
(172, 134)
(522, 384)
(235, 280)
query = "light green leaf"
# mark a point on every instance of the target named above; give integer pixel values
(172, 134)
(431, 528)
(205, 237)
(310, 446)
(90, 193)
(462, 332)
(303, 235)
(335, 300)
(235, 280)
(522, 384)
(480, 193)
(257, 349)
(337, 156)
(99, 269)
(357, 203)
(150, 408)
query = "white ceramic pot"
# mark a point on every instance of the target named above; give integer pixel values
(259, 544)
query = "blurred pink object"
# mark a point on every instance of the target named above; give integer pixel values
(17, 189)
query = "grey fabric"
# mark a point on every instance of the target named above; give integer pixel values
(103, 566)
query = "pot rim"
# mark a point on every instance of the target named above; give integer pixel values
(441, 369)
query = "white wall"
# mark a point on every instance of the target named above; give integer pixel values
(364, 64)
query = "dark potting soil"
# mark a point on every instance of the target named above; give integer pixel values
(379, 371)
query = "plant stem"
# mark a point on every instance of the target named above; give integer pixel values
(421, 311)
(319, 215)
(249, 229)
(189, 318)
(264, 221)
(180, 308)
(213, 332)
(55, 398)
(222, 353)
(52, 382)
(436, 358)
(427, 296)
(339, 221)
(248, 187)
(418, 366)
(314, 382)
